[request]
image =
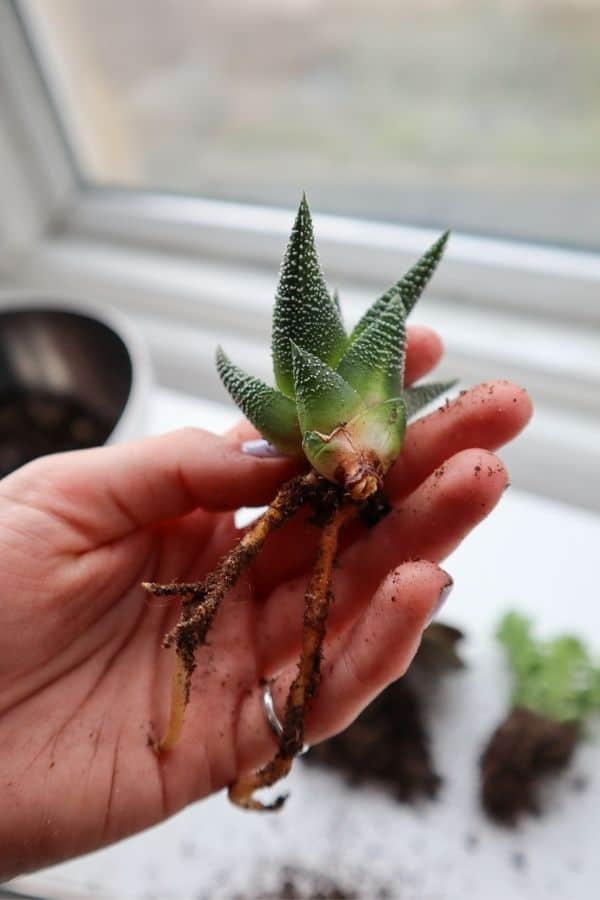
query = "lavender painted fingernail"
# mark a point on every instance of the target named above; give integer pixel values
(444, 594)
(261, 448)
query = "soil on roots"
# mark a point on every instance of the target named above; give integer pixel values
(524, 748)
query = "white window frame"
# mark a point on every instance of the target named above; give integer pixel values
(530, 311)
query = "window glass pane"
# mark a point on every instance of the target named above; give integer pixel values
(483, 116)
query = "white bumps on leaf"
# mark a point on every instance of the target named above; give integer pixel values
(305, 312)
(273, 414)
(409, 288)
(340, 400)
(374, 362)
(323, 399)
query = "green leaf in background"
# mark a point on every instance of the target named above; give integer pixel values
(305, 313)
(555, 678)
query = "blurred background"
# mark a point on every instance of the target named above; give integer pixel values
(482, 115)
(151, 155)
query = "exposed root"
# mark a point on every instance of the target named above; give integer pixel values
(203, 598)
(304, 686)
(179, 698)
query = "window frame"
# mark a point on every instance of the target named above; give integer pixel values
(531, 277)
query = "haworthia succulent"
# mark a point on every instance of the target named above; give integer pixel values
(273, 414)
(419, 396)
(323, 399)
(555, 678)
(340, 401)
(409, 288)
(374, 363)
(304, 310)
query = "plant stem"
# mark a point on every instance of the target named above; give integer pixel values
(204, 598)
(305, 684)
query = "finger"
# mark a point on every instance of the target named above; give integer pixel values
(110, 491)
(432, 521)
(489, 416)
(357, 665)
(423, 352)
(427, 525)
(486, 416)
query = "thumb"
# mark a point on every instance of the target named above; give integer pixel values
(115, 490)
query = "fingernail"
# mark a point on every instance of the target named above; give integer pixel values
(444, 594)
(261, 448)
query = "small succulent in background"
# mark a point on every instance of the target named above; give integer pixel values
(555, 688)
(339, 400)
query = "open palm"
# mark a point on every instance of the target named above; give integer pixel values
(84, 682)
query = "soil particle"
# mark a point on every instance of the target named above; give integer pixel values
(518, 860)
(471, 841)
(525, 747)
(579, 783)
(36, 423)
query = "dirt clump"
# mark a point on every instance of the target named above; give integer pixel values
(525, 747)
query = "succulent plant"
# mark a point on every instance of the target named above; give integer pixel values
(339, 399)
(555, 678)
(555, 690)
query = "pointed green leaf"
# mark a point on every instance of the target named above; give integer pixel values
(418, 397)
(416, 279)
(304, 310)
(374, 363)
(323, 399)
(273, 414)
(409, 288)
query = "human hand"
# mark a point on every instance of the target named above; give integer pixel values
(83, 677)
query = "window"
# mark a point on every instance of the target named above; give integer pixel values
(397, 118)
(485, 116)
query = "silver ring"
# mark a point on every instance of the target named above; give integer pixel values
(272, 717)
